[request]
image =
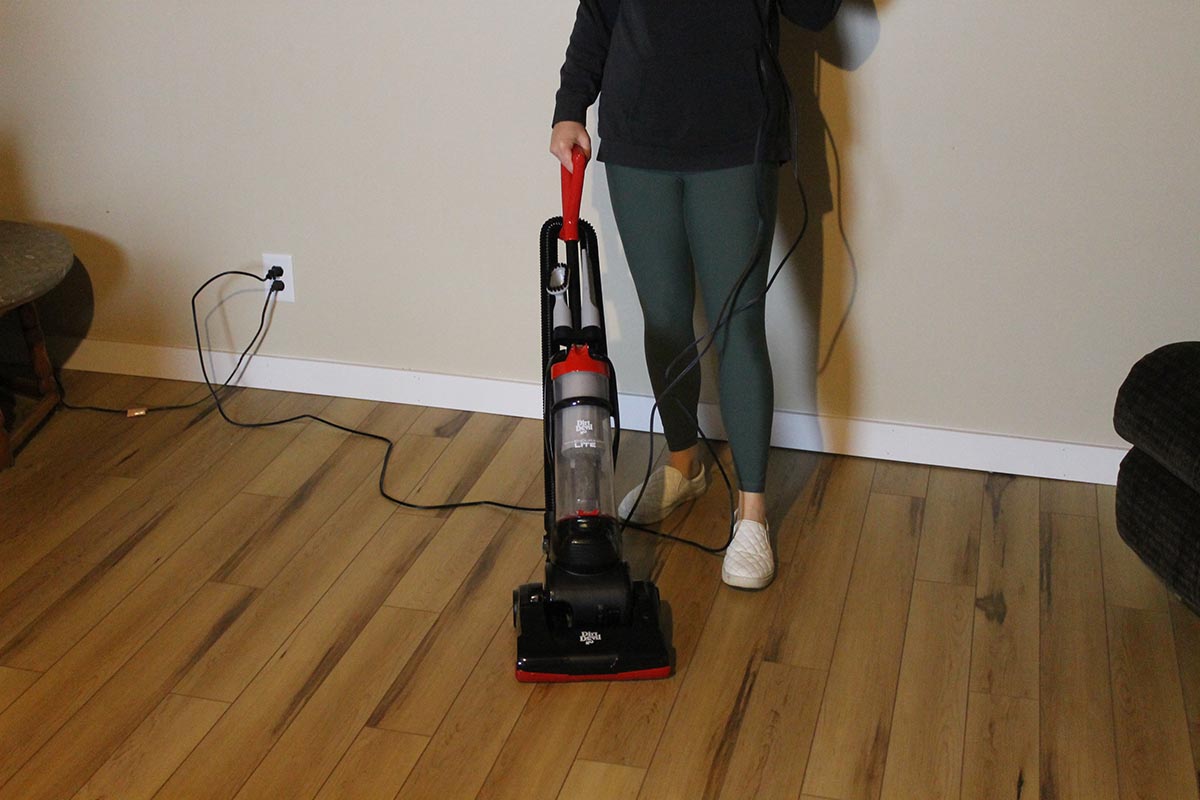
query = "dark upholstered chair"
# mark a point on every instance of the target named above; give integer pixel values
(1158, 487)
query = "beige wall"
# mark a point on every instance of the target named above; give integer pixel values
(1019, 183)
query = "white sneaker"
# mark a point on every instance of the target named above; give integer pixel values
(749, 563)
(666, 490)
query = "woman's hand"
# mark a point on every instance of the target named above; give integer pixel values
(564, 136)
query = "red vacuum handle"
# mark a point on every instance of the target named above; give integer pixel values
(572, 195)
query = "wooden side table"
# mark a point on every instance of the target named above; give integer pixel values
(33, 260)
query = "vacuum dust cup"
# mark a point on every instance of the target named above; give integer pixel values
(586, 537)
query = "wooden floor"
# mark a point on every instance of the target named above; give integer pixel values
(191, 610)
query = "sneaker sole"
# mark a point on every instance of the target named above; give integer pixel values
(638, 519)
(746, 582)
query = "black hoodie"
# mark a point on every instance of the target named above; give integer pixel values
(683, 84)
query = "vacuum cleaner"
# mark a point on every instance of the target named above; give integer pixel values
(588, 620)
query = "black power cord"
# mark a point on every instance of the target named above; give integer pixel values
(387, 456)
(140, 411)
(214, 394)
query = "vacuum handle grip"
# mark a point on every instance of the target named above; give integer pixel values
(572, 195)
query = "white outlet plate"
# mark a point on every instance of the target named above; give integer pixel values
(288, 295)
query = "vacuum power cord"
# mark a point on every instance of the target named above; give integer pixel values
(139, 411)
(215, 392)
(390, 444)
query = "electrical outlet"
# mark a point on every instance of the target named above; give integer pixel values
(288, 295)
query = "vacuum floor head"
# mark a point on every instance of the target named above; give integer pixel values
(552, 649)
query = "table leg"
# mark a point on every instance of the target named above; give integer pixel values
(47, 387)
(6, 457)
(39, 357)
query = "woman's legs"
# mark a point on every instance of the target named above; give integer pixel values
(648, 206)
(722, 210)
(667, 222)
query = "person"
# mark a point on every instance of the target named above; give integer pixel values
(693, 125)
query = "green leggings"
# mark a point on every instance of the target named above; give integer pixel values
(669, 223)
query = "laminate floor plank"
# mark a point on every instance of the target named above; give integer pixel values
(212, 449)
(412, 455)
(411, 460)
(444, 423)
(35, 591)
(626, 727)
(537, 756)
(511, 466)
(147, 758)
(1154, 752)
(13, 682)
(631, 717)
(790, 474)
(463, 461)
(1000, 752)
(818, 572)
(1186, 627)
(71, 682)
(450, 557)
(71, 448)
(313, 744)
(1005, 644)
(895, 477)
(593, 780)
(64, 431)
(288, 405)
(316, 443)
(39, 536)
(465, 746)
(237, 744)
(81, 385)
(423, 692)
(949, 550)
(693, 755)
(150, 439)
(771, 754)
(851, 743)
(234, 660)
(56, 501)
(322, 493)
(139, 442)
(44, 640)
(1065, 497)
(1078, 752)
(925, 753)
(375, 766)
(392, 420)
(96, 733)
(167, 392)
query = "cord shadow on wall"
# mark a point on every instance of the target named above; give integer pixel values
(825, 275)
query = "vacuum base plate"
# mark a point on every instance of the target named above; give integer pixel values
(549, 650)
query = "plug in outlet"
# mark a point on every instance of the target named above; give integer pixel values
(288, 295)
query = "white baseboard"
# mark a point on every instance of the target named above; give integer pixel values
(794, 430)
